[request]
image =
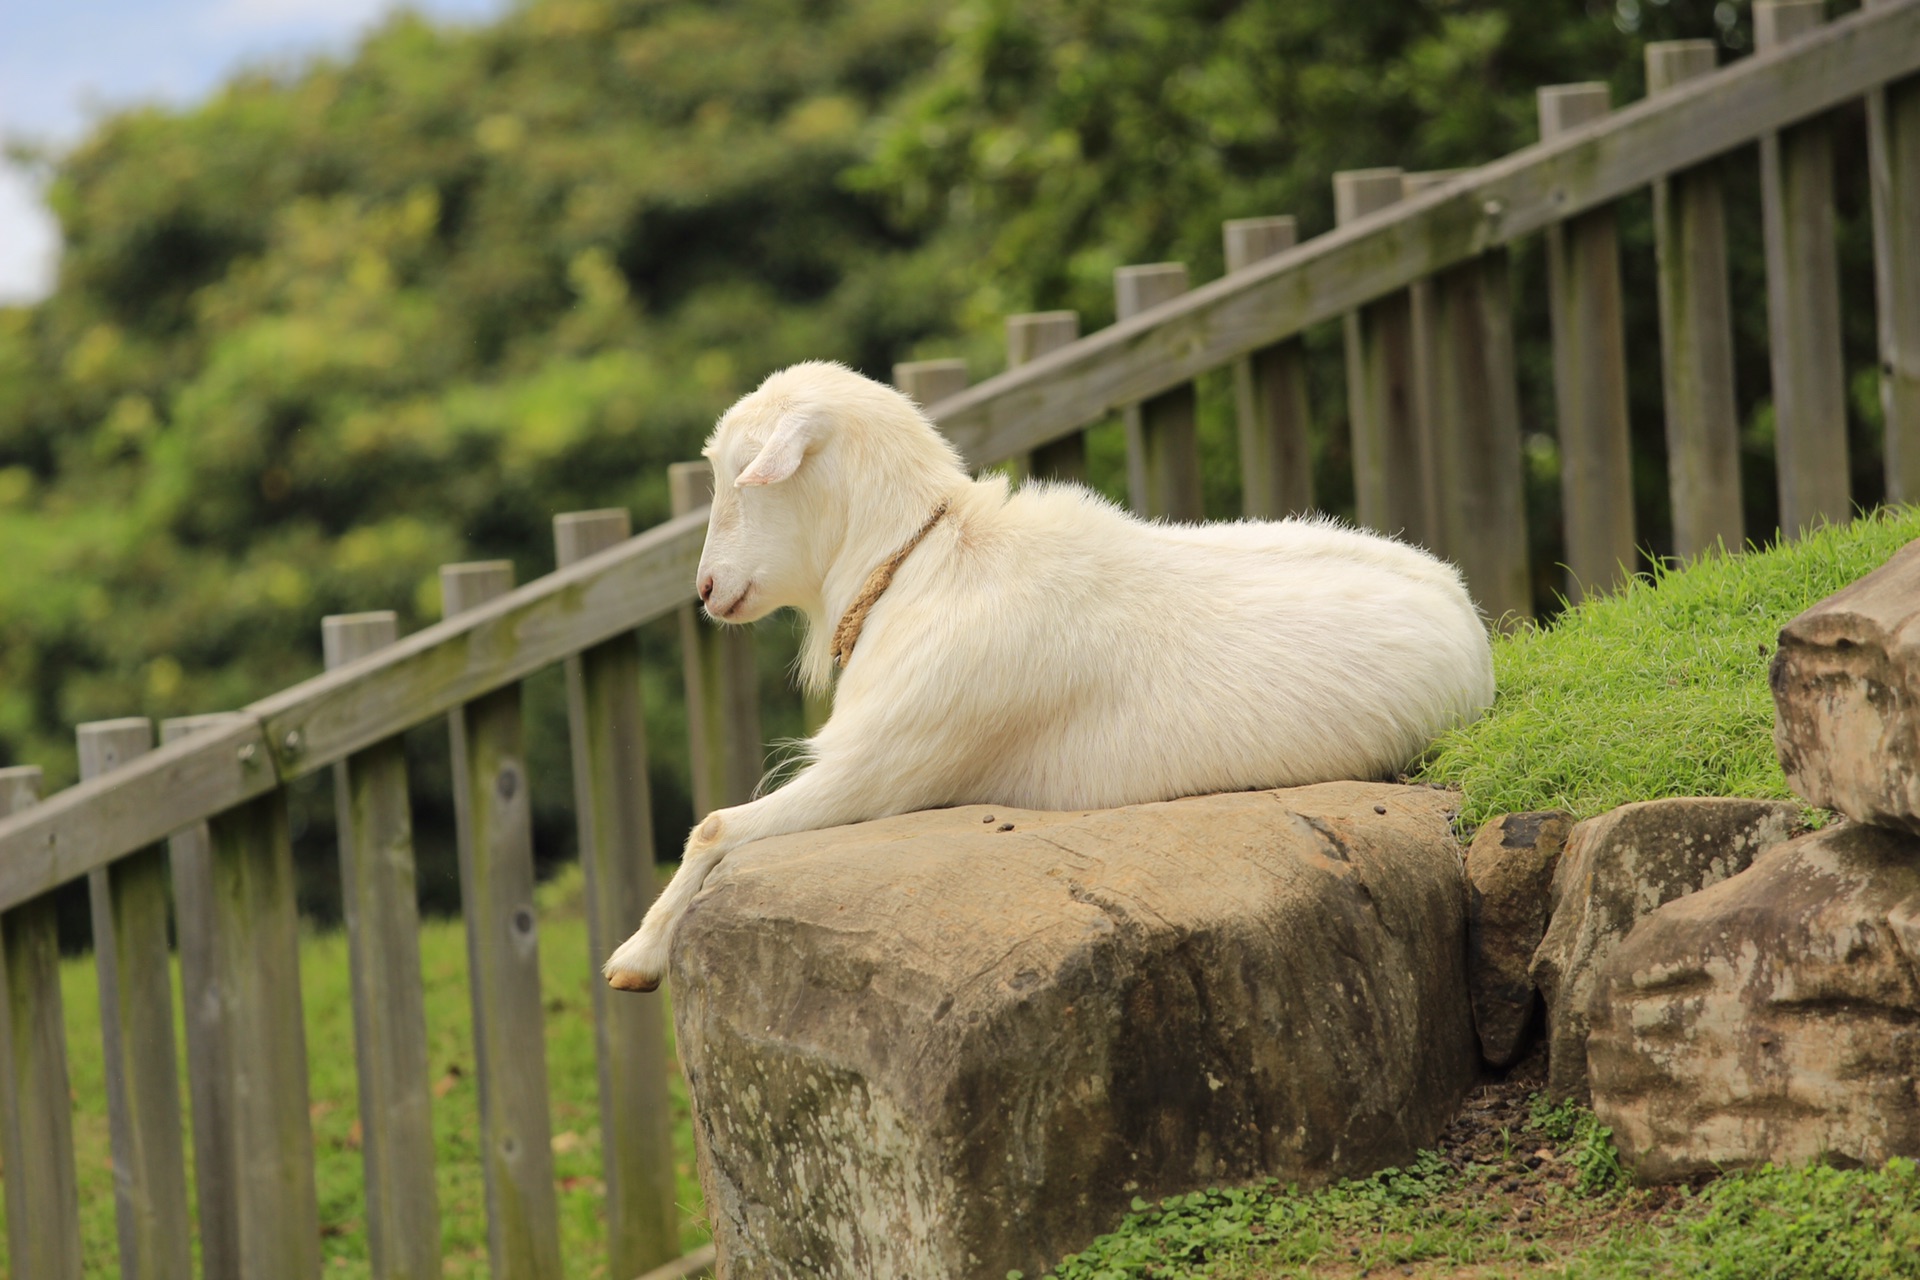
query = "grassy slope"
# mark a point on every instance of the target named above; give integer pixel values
(566, 976)
(1659, 690)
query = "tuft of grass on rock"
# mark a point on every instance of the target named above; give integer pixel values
(1656, 690)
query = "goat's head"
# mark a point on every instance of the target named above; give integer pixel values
(816, 464)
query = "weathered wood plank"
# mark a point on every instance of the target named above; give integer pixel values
(722, 680)
(1029, 337)
(36, 1115)
(494, 819)
(614, 813)
(1270, 393)
(1520, 195)
(1482, 517)
(380, 898)
(129, 900)
(1390, 452)
(255, 962)
(1803, 298)
(1696, 330)
(1588, 316)
(86, 826)
(1893, 139)
(1163, 442)
(209, 1074)
(503, 641)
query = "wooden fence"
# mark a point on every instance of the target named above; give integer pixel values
(194, 831)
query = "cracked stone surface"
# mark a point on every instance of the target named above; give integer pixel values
(1846, 695)
(1773, 1017)
(1616, 869)
(929, 1047)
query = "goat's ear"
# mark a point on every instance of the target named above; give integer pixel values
(794, 436)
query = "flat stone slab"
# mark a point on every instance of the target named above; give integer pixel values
(1846, 695)
(960, 1042)
(1774, 1017)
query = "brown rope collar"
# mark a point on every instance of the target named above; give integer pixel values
(847, 634)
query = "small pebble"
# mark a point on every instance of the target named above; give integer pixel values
(1006, 826)
(988, 818)
(1379, 808)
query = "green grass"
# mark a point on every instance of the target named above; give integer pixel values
(1581, 1220)
(566, 977)
(1659, 690)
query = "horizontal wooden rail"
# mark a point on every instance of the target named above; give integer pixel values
(1332, 274)
(327, 718)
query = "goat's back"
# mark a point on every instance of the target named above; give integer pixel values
(1063, 654)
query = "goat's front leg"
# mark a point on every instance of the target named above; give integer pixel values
(822, 795)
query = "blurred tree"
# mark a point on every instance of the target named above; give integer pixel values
(340, 324)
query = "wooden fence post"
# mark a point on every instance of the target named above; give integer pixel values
(380, 897)
(36, 1114)
(1803, 298)
(255, 958)
(1382, 400)
(614, 814)
(493, 815)
(210, 1078)
(1270, 393)
(1696, 332)
(928, 382)
(1163, 443)
(1470, 414)
(1589, 370)
(1029, 337)
(129, 899)
(1893, 141)
(1423, 310)
(723, 684)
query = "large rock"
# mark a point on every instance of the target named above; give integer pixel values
(1616, 869)
(1775, 1017)
(959, 1042)
(1846, 693)
(1510, 868)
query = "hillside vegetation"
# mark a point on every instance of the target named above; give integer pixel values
(353, 318)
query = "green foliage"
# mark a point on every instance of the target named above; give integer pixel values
(1658, 690)
(1813, 1222)
(1592, 1150)
(1805, 1223)
(343, 323)
(1187, 1230)
(333, 328)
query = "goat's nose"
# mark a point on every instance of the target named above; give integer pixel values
(706, 587)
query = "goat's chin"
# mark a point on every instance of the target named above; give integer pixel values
(748, 606)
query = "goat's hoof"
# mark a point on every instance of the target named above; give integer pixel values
(626, 980)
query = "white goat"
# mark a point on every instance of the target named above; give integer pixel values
(1043, 648)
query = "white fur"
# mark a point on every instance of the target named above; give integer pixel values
(1044, 649)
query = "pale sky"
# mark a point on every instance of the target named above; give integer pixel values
(65, 62)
